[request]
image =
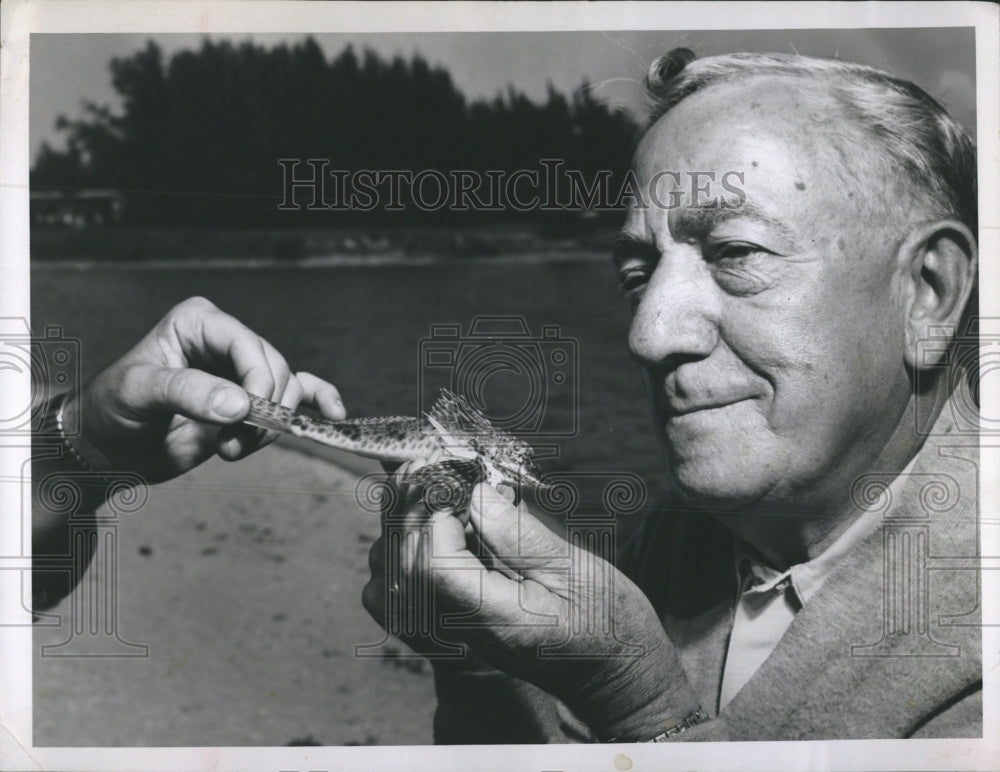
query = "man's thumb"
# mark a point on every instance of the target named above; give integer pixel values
(513, 534)
(190, 392)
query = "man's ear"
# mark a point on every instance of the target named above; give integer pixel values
(939, 261)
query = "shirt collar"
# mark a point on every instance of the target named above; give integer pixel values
(753, 575)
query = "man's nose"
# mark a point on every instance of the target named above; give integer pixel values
(677, 319)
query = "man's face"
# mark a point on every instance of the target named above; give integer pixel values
(771, 334)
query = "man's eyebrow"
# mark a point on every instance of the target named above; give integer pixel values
(699, 220)
(629, 245)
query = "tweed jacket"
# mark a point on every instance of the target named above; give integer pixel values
(888, 647)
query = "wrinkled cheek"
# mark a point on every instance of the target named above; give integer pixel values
(813, 418)
(729, 442)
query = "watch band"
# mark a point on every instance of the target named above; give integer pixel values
(674, 727)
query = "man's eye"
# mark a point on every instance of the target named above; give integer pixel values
(633, 280)
(733, 251)
(737, 268)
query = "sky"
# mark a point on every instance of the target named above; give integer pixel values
(67, 69)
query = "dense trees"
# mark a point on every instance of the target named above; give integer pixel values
(198, 137)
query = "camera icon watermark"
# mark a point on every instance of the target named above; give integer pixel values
(966, 357)
(523, 383)
(53, 362)
(81, 562)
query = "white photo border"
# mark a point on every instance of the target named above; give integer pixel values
(20, 18)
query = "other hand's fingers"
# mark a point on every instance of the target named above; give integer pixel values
(281, 374)
(199, 334)
(237, 442)
(147, 390)
(322, 395)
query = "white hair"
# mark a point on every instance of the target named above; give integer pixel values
(913, 131)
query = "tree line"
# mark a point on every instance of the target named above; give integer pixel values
(198, 138)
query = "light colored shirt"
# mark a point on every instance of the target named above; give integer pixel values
(767, 599)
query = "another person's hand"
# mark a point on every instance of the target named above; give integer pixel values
(179, 395)
(534, 606)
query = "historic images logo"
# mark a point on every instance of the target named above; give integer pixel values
(550, 188)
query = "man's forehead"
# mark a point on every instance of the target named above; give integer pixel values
(776, 143)
(774, 112)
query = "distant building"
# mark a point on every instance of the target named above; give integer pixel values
(83, 208)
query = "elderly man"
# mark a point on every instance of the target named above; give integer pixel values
(778, 332)
(779, 337)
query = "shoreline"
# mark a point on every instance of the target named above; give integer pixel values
(331, 261)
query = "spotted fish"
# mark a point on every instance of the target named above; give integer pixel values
(475, 450)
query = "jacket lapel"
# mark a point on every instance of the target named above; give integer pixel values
(871, 658)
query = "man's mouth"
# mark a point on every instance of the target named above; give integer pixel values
(678, 409)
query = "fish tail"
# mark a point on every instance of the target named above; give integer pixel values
(270, 415)
(393, 438)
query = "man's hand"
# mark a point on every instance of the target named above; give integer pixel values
(522, 588)
(178, 396)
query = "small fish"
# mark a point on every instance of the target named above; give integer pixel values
(476, 449)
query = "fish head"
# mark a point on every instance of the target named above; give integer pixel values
(465, 431)
(514, 461)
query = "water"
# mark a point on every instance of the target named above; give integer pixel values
(361, 328)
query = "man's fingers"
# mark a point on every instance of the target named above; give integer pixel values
(421, 547)
(398, 478)
(281, 374)
(322, 395)
(447, 535)
(147, 390)
(507, 531)
(206, 335)
(292, 394)
(249, 362)
(476, 546)
(236, 442)
(233, 442)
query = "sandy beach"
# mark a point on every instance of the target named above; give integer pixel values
(244, 580)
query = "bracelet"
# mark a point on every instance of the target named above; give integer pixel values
(97, 462)
(674, 727)
(63, 439)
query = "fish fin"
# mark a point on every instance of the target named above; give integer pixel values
(451, 444)
(458, 416)
(447, 484)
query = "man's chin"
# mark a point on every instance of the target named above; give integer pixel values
(712, 490)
